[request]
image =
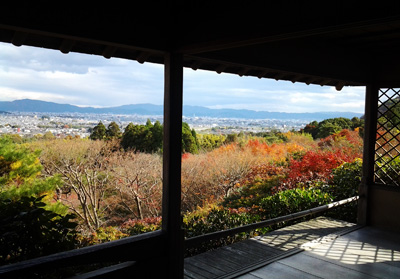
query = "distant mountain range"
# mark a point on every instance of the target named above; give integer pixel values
(28, 105)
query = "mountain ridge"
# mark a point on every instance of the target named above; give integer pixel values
(29, 105)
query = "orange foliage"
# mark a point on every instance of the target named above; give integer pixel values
(277, 152)
(352, 137)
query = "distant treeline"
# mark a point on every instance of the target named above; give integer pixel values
(149, 137)
(331, 126)
(144, 138)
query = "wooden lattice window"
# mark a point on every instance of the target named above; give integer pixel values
(387, 147)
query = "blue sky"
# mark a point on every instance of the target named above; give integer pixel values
(88, 80)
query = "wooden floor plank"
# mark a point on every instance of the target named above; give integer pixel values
(377, 237)
(243, 256)
(198, 272)
(245, 250)
(350, 251)
(215, 261)
(321, 268)
(239, 256)
(257, 248)
(233, 259)
(280, 271)
(249, 276)
(206, 266)
(189, 273)
(376, 269)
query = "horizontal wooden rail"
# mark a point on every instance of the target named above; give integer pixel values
(136, 248)
(198, 240)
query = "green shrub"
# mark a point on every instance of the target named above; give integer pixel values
(344, 184)
(251, 195)
(346, 180)
(135, 226)
(101, 235)
(27, 230)
(30, 224)
(217, 219)
(292, 201)
(213, 220)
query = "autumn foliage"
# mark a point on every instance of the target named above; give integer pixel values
(117, 192)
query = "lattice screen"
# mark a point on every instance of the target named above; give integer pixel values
(387, 147)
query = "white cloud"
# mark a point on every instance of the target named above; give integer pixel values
(89, 80)
(84, 79)
(11, 94)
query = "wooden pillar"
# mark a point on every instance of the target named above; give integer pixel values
(171, 222)
(371, 115)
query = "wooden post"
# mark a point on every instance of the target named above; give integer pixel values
(172, 148)
(371, 117)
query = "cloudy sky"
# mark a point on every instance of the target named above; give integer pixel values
(88, 80)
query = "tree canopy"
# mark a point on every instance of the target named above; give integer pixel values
(113, 131)
(149, 138)
(30, 222)
(331, 126)
(98, 132)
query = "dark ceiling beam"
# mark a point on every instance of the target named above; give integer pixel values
(109, 51)
(301, 64)
(243, 71)
(279, 35)
(272, 73)
(21, 37)
(66, 46)
(143, 57)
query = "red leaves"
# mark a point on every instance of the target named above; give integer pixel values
(185, 156)
(314, 166)
(262, 172)
(350, 137)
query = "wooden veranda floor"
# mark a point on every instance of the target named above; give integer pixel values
(319, 248)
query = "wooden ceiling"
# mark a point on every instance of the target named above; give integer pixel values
(336, 43)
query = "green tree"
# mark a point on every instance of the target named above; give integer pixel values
(48, 136)
(209, 141)
(357, 122)
(30, 223)
(98, 132)
(231, 138)
(149, 138)
(330, 126)
(157, 132)
(189, 143)
(129, 137)
(113, 131)
(138, 137)
(327, 129)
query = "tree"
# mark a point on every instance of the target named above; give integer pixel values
(330, 126)
(31, 224)
(149, 138)
(113, 131)
(83, 168)
(48, 136)
(29, 230)
(138, 138)
(157, 132)
(231, 138)
(98, 132)
(137, 181)
(189, 140)
(327, 129)
(209, 141)
(357, 123)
